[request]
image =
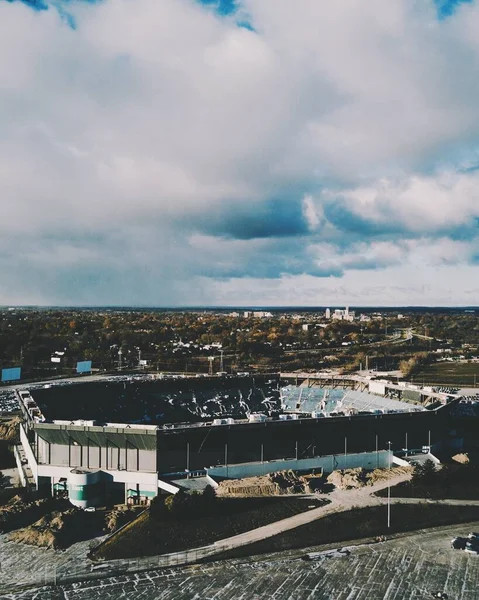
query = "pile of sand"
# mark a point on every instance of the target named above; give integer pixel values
(272, 484)
(348, 479)
(461, 458)
(18, 513)
(50, 531)
(385, 474)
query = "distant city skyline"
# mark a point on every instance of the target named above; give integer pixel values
(239, 153)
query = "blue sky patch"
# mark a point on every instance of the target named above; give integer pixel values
(446, 8)
(35, 4)
(222, 7)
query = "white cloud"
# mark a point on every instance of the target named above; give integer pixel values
(419, 203)
(158, 132)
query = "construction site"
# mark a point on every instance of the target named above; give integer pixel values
(332, 446)
(273, 428)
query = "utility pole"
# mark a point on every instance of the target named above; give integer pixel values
(389, 485)
(221, 360)
(119, 358)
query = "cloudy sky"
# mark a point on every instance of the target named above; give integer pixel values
(248, 152)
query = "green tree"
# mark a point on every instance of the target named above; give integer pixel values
(425, 473)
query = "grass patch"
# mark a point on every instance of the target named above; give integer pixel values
(357, 524)
(458, 374)
(147, 536)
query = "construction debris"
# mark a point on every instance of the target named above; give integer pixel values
(116, 518)
(19, 513)
(272, 484)
(347, 479)
(9, 430)
(50, 531)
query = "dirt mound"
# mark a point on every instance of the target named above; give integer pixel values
(50, 531)
(118, 517)
(348, 479)
(272, 484)
(9, 430)
(20, 513)
(384, 474)
(462, 458)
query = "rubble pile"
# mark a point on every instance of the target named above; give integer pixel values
(272, 484)
(19, 513)
(348, 479)
(116, 518)
(50, 531)
(9, 430)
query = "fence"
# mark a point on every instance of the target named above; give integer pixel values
(60, 575)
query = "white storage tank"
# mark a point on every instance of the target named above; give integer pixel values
(84, 487)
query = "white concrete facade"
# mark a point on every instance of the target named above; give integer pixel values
(367, 460)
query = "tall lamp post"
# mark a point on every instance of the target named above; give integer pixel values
(389, 485)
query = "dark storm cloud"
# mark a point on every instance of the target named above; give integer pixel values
(270, 218)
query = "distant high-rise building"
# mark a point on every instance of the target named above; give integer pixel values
(344, 315)
(328, 313)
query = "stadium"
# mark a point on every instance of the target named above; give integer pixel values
(127, 439)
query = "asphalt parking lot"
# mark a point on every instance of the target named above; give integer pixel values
(410, 567)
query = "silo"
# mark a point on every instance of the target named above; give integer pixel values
(84, 487)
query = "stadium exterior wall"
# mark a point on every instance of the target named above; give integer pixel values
(366, 460)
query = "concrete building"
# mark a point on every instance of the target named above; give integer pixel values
(343, 315)
(92, 463)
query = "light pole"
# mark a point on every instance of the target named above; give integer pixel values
(389, 485)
